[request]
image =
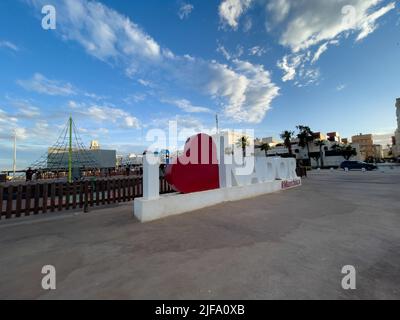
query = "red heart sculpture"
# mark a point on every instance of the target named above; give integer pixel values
(197, 169)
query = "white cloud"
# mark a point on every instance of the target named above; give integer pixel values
(245, 94)
(280, 9)
(189, 123)
(257, 51)
(341, 87)
(243, 90)
(93, 96)
(10, 123)
(185, 10)
(103, 32)
(40, 84)
(319, 52)
(135, 98)
(186, 106)
(26, 110)
(6, 118)
(131, 122)
(289, 65)
(230, 55)
(98, 133)
(183, 122)
(308, 77)
(221, 49)
(106, 114)
(231, 10)
(9, 45)
(305, 24)
(248, 24)
(296, 67)
(255, 92)
(368, 24)
(145, 83)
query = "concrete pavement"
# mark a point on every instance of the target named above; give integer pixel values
(288, 245)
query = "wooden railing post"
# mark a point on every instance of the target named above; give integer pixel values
(9, 207)
(45, 197)
(81, 193)
(36, 199)
(60, 196)
(1, 201)
(28, 195)
(136, 188)
(108, 191)
(97, 186)
(74, 195)
(53, 197)
(129, 187)
(86, 196)
(115, 190)
(19, 201)
(67, 195)
(91, 193)
(103, 192)
(124, 189)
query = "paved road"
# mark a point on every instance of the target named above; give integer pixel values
(288, 245)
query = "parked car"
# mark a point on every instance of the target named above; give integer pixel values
(358, 165)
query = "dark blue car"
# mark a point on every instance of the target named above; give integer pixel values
(358, 165)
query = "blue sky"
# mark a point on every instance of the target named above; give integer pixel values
(121, 68)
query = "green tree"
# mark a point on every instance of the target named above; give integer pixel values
(243, 143)
(320, 144)
(265, 147)
(306, 136)
(287, 140)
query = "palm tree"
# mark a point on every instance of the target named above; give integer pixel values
(306, 135)
(243, 143)
(265, 147)
(320, 144)
(287, 140)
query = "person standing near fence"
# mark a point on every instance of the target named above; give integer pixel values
(29, 174)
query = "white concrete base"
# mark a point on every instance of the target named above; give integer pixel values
(173, 204)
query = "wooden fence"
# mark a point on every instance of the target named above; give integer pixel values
(43, 197)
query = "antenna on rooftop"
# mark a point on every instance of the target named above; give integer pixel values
(15, 154)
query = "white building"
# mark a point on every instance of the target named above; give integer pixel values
(232, 139)
(396, 145)
(330, 157)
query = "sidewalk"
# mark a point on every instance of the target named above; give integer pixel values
(288, 245)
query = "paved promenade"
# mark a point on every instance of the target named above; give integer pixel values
(288, 245)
